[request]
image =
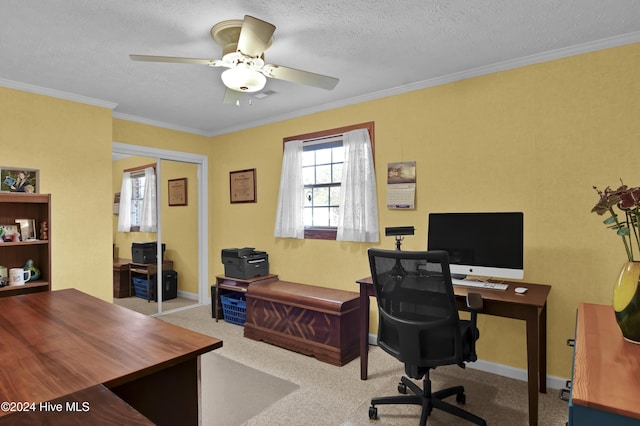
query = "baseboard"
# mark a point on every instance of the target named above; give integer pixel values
(187, 295)
(501, 370)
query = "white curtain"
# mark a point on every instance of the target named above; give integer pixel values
(358, 218)
(149, 217)
(124, 214)
(289, 216)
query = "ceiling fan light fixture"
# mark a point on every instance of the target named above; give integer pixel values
(243, 79)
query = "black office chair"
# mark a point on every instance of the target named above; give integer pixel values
(419, 325)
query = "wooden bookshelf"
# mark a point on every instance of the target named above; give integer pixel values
(15, 254)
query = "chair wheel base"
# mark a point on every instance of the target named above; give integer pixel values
(373, 412)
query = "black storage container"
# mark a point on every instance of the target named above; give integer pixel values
(169, 285)
(145, 252)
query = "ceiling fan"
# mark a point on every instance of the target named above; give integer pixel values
(243, 44)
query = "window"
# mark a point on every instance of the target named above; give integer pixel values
(323, 158)
(322, 174)
(137, 199)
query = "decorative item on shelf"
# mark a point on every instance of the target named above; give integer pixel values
(626, 291)
(35, 272)
(19, 276)
(27, 229)
(44, 230)
(4, 276)
(10, 233)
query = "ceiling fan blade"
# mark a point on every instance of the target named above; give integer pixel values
(255, 36)
(299, 76)
(232, 97)
(178, 60)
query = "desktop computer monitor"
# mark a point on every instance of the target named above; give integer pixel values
(480, 244)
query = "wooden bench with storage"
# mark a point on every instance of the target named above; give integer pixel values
(317, 321)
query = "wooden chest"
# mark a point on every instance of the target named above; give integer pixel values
(317, 321)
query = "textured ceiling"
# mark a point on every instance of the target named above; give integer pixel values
(79, 49)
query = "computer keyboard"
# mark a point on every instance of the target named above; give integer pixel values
(480, 284)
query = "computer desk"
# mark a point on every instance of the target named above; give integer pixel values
(530, 307)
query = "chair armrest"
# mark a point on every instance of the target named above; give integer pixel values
(474, 302)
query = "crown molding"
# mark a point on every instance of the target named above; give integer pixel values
(579, 49)
(156, 123)
(39, 90)
(550, 55)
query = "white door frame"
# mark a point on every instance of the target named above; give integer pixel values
(203, 203)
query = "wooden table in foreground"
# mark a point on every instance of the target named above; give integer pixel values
(55, 344)
(530, 307)
(604, 387)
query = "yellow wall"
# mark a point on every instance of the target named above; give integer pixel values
(179, 223)
(70, 143)
(533, 139)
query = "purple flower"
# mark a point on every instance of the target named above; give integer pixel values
(628, 200)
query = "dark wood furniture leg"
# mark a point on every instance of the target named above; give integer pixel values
(364, 330)
(536, 323)
(533, 364)
(542, 342)
(166, 397)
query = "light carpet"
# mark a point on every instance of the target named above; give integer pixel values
(150, 307)
(334, 396)
(233, 393)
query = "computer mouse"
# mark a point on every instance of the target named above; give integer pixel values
(520, 290)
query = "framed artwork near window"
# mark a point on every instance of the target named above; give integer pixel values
(19, 180)
(242, 186)
(178, 192)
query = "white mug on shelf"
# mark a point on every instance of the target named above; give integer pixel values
(18, 276)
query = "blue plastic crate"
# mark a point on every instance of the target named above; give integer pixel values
(140, 288)
(234, 308)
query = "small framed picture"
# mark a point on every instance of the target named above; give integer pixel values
(19, 180)
(242, 186)
(27, 229)
(178, 192)
(10, 232)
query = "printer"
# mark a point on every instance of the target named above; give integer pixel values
(245, 263)
(146, 252)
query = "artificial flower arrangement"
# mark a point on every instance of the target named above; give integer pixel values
(628, 202)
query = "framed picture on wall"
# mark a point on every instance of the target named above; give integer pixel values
(242, 186)
(178, 192)
(19, 180)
